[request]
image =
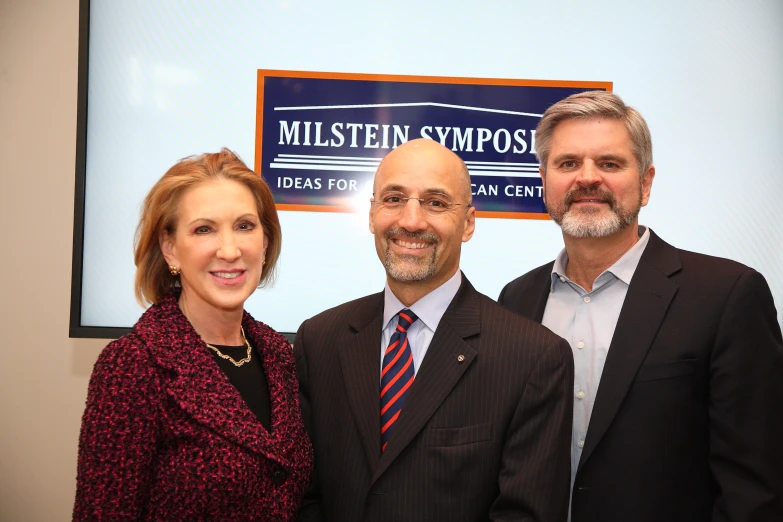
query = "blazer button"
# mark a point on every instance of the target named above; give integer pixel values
(278, 476)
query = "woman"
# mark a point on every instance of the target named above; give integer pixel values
(194, 415)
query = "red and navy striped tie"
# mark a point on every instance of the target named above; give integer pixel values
(396, 375)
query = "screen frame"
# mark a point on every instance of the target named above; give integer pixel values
(76, 329)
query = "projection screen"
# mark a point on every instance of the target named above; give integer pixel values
(161, 80)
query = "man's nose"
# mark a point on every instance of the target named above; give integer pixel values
(412, 216)
(588, 175)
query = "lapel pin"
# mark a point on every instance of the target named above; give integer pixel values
(460, 358)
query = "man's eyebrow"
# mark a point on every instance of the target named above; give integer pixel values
(564, 157)
(613, 157)
(400, 188)
(392, 188)
(437, 192)
(603, 157)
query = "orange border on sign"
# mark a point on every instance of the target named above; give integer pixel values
(512, 215)
(313, 208)
(402, 78)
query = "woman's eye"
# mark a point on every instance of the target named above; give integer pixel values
(246, 226)
(202, 229)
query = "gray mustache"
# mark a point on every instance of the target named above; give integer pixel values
(591, 194)
(430, 237)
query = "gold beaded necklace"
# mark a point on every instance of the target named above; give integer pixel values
(228, 357)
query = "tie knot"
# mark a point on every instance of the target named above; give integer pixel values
(407, 318)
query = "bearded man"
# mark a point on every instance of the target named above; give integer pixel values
(429, 401)
(678, 356)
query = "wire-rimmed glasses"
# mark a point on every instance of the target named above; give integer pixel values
(434, 204)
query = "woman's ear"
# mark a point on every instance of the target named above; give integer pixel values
(168, 249)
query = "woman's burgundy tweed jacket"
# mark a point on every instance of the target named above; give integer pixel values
(166, 436)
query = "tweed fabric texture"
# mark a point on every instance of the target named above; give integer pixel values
(165, 436)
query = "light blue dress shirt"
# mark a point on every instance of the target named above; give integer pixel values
(587, 321)
(429, 309)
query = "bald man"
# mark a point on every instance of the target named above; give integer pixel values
(428, 401)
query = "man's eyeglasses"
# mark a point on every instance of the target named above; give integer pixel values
(392, 203)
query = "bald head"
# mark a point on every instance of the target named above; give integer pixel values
(420, 245)
(422, 156)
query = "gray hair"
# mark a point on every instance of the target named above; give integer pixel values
(595, 104)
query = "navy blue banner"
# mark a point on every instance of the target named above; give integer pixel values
(321, 136)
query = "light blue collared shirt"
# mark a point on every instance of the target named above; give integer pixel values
(587, 321)
(429, 309)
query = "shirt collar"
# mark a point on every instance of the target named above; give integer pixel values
(429, 309)
(622, 269)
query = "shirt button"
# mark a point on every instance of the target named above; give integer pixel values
(580, 345)
(581, 444)
(580, 395)
(587, 299)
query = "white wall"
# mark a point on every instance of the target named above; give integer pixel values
(43, 373)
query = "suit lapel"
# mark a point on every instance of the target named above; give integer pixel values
(541, 292)
(649, 296)
(439, 373)
(360, 354)
(528, 295)
(277, 358)
(197, 385)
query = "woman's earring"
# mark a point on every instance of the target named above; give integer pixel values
(174, 270)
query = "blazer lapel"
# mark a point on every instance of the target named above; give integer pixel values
(360, 359)
(543, 283)
(529, 293)
(277, 357)
(197, 385)
(440, 371)
(649, 296)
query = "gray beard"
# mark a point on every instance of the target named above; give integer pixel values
(593, 223)
(581, 226)
(408, 268)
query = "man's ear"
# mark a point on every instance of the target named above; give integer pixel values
(470, 224)
(542, 173)
(647, 181)
(372, 226)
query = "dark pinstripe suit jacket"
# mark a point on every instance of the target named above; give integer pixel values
(485, 438)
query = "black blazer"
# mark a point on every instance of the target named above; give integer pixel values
(688, 419)
(484, 433)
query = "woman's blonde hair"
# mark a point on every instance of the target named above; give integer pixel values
(159, 215)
